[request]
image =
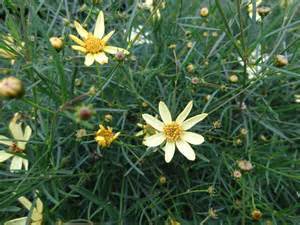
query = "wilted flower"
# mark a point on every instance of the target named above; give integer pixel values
(281, 60)
(94, 46)
(56, 43)
(105, 136)
(36, 217)
(174, 133)
(11, 87)
(245, 165)
(204, 12)
(256, 214)
(217, 124)
(17, 145)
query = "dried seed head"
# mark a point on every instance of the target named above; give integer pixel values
(245, 165)
(263, 11)
(256, 214)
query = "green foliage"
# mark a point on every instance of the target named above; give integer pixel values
(76, 179)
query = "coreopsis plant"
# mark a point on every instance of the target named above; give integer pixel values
(174, 133)
(94, 45)
(36, 217)
(17, 145)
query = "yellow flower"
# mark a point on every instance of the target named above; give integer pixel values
(174, 133)
(94, 46)
(105, 136)
(17, 145)
(36, 216)
(12, 48)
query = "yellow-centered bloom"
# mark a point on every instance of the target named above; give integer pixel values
(17, 145)
(174, 133)
(36, 215)
(105, 136)
(94, 46)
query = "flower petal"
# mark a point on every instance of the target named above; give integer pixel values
(113, 50)
(16, 129)
(153, 122)
(89, 59)
(169, 151)
(25, 202)
(4, 156)
(192, 138)
(107, 37)
(81, 31)
(27, 133)
(186, 150)
(77, 40)
(193, 121)
(16, 163)
(101, 58)
(5, 140)
(164, 112)
(25, 164)
(99, 28)
(18, 221)
(183, 115)
(39, 205)
(78, 48)
(154, 140)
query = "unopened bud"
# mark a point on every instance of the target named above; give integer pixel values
(11, 87)
(204, 12)
(56, 43)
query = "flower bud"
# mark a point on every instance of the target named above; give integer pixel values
(195, 80)
(256, 214)
(237, 174)
(120, 56)
(233, 78)
(84, 112)
(162, 179)
(204, 12)
(108, 117)
(281, 60)
(56, 43)
(190, 68)
(11, 87)
(245, 165)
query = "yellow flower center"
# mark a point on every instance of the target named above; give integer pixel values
(93, 45)
(172, 131)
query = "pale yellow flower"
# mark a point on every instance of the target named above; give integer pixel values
(36, 216)
(105, 136)
(17, 145)
(94, 46)
(174, 133)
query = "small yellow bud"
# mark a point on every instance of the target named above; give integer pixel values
(212, 213)
(172, 46)
(204, 12)
(11, 87)
(215, 34)
(80, 134)
(217, 124)
(162, 179)
(281, 60)
(56, 43)
(92, 91)
(256, 214)
(205, 34)
(145, 104)
(207, 97)
(108, 117)
(243, 131)
(233, 78)
(189, 44)
(238, 141)
(190, 68)
(78, 82)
